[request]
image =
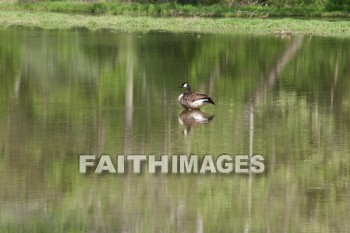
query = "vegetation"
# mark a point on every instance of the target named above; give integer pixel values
(67, 92)
(179, 24)
(205, 9)
(200, 16)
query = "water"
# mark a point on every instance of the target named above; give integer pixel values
(67, 93)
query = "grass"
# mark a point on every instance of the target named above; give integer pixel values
(172, 17)
(51, 20)
(173, 9)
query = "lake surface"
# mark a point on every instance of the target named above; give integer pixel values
(67, 93)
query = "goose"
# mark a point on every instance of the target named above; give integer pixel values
(193, 100)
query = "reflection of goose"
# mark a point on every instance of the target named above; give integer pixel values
(193, 100)
(194, 118)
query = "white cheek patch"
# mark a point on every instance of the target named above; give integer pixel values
(185, 85)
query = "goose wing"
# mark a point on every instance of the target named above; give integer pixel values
(194, 96)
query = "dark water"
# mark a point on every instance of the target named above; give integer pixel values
(66, 93)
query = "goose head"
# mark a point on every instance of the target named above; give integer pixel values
(186, 85)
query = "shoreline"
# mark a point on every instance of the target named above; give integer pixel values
(123, 23)
(177, 10)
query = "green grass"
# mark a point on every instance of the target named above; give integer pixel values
(51, 20)
(172, 17)
(173, 9)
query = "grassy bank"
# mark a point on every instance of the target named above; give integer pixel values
(50, 20)
(173, 9)
(185, 18)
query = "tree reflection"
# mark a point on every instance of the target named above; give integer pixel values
(114, 93)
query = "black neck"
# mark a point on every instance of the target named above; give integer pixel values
(188, 88)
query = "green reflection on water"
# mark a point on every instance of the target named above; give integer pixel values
(66, 93)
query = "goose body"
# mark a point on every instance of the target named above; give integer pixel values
(193, 100)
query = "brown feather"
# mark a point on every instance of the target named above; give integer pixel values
(188, 99)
